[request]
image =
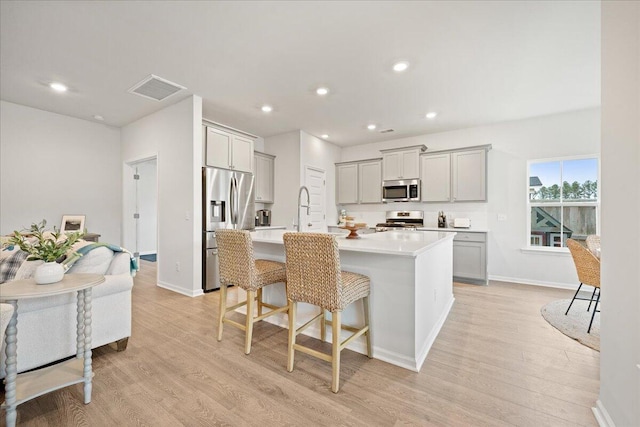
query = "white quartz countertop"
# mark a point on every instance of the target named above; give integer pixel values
(399, 243)
(449, 229)
(271, 227)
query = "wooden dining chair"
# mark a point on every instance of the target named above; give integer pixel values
(588, 269)
(238, 267)
(314, 277)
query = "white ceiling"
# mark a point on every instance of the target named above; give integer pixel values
(473, 62)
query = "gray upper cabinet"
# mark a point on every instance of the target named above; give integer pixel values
(359, 182)
(264, 177)
(347, 183)
(402, 163)
(228, 150)
(436, 177)
(370, 182)
(469, 176)
(455, 176)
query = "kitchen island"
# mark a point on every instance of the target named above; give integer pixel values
(411, 290)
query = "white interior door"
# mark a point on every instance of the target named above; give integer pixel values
(315, 180)
(140, 234)
(147, 196)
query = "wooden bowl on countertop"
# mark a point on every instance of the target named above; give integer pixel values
(353, 230)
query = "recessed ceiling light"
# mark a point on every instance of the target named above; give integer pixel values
(431, 115)
(322, 91)
(401, 66)
(371, 127)
(267, 108)
(98, 117)
(324, 136)
(58, 87)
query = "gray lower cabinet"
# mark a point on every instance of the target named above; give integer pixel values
(470, 257)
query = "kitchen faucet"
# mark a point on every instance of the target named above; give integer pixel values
(308, 206)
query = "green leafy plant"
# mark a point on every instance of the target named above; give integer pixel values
(48, 246)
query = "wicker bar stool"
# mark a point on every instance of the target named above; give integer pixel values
(238, 267)
(588, 268)
(314, 277)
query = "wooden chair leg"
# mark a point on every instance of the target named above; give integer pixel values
(121, 345)
(251, 297)
(323, 326)
(292, 335)
(260, 302)
(365, 304)
(335, 350)
(223, 309)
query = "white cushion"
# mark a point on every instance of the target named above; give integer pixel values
(95, 261)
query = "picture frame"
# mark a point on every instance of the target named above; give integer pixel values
(72, 224)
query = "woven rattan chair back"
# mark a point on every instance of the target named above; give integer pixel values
(237, 266)
(587, 265)
(313, 270)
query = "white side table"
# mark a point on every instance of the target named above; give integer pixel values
(26, 386)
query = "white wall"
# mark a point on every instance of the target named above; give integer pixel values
(323, 155)
(513, 144)
(286, 148)
(174, 135)
(620, 325)
(148, 206)
(51, 165)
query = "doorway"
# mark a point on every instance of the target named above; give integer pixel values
(141, 209)
(315, 180)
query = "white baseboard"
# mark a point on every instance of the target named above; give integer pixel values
(602, 415)
(174, 288)
(534, 282)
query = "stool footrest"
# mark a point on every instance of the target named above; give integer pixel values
(358, 332)
(306, 325)
(312, 352)
(275, 309)
(236, 324)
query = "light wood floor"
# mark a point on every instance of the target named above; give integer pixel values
(495, 362)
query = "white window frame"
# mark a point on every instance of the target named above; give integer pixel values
(529, 203)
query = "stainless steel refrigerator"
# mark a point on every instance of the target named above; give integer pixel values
(227, 202)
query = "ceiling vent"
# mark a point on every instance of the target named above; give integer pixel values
(386, 130)
(156, 88)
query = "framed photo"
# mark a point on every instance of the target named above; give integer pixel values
(72, 224)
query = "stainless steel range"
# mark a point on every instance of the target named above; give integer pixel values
(401, 220)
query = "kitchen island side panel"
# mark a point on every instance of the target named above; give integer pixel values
(410, 299)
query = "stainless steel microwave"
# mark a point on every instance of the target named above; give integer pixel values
(402, 190)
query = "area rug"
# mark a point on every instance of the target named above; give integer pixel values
(574, 324)
(150, 257)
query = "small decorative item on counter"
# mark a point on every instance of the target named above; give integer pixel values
(442, 220)
(353, 228)
(342, 217)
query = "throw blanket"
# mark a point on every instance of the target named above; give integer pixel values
(10, 264)
(83, 247)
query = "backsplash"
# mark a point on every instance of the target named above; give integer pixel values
(373, 214)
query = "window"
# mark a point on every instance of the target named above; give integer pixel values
(563, 201)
